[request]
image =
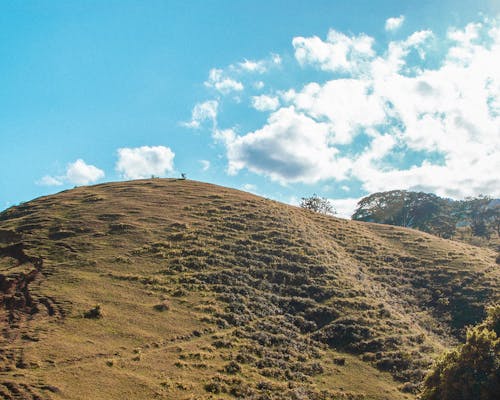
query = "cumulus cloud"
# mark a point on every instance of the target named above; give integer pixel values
(145, 161)
(206, 111)
(80, 173)
(265, 103)
(394, 23)
(291, 147)
(384, 118)
(339, 53)
(347, 104)
(77, 173)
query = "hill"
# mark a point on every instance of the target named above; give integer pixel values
(176, 289)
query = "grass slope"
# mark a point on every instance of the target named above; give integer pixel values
(208, 292)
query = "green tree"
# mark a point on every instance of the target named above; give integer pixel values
(480, 214)
(471, 371)
(443, 226)
(318, 204)
(400, 207)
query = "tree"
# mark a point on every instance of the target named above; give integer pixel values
(496, 218)
(400, 207)
(479, 215)
(431, 213)
(471, 371)
(318, 204)
(443, 226)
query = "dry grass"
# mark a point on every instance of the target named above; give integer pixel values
(263, 300)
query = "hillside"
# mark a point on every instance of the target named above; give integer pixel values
(208, 292)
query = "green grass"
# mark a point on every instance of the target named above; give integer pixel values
(263, 298)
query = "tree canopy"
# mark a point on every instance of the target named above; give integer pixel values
(430, 213)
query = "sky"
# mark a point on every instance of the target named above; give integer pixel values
(283, 99)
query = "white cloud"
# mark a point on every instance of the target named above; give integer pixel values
(346, 104)
(77, 173)
(385, 118)
(253, 66)
(205, 165)
(339, 53)
(234, 77)
(394, 23)
(291, 147)
(218, 80)
(259, 66)
(258, 85)
(80, 173)
(265, 103)
(142, 162)
(345, 207)
(202, 112)
(394, 60)
(276, 59)
(48, 180)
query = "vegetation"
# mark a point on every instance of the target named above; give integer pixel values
(209, 292)
(93, 313)
(471, 371)
(318, 204)
(430, 213)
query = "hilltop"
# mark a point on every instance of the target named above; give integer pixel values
(176, 289)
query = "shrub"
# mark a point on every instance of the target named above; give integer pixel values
(471, 371)
(339, 360)
(93, 313)
(232, 368)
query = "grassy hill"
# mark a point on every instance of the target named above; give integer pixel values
(176, 289)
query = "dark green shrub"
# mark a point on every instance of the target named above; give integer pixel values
(471, 371)
(232, 368)
(93, 313)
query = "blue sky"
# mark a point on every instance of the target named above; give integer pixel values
(280, 98)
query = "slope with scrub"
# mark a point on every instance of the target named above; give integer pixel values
(209, 292)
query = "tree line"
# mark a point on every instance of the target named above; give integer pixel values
(431, 213)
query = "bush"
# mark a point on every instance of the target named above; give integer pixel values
(472, 371)
(232, 368)
(93, 313)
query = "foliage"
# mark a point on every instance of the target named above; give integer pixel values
(431, 213)
(399, 207)
(94, 313)
(482, 214)
(472, 371)
(318, 204)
